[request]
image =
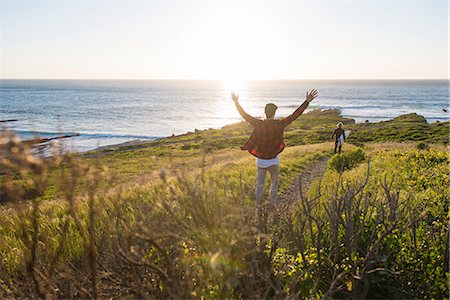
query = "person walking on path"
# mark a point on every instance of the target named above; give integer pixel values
(266, 142)
(338, 132)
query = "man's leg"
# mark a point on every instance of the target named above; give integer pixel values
(274, 180)
(335, 146)
(340, 146)
(260, 178)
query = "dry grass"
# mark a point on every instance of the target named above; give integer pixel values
(193, 233)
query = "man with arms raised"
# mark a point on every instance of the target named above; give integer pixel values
(267, 141)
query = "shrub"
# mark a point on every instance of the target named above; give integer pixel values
(346, 161)
(186, 147)
(337, 162)
(422, 145)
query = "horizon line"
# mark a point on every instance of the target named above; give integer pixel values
(216, 79)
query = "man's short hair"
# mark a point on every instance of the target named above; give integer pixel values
(270, 109)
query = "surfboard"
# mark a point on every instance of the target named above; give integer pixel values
(341, 138)
(347, 133)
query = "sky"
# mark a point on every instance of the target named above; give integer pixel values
(224, 40)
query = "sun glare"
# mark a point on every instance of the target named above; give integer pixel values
(233, 85)
(233, 50)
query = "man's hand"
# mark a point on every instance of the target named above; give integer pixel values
(311, 95)
(234, 97)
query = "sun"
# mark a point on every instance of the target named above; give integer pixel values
(234, 50)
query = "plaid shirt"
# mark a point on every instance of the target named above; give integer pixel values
(267, 138)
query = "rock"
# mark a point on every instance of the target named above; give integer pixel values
(125, 144)
(410, 118)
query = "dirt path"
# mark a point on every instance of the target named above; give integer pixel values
(304, 180)
(313, 172)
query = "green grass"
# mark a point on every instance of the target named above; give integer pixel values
(176, 218)
(314, 127)
(418, 250)
(208, 216)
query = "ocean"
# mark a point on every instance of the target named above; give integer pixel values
(107, 112)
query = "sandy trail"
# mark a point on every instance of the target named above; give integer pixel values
(304, 180)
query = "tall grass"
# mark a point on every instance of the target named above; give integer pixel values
(356, 234)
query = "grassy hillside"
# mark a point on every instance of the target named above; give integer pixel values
(314, 127)
(175, 218)
(223, 144)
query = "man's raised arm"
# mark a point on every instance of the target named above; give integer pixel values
(253, 121)
(309, 97)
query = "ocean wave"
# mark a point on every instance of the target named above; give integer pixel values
(121, 136)
(341, 107)
(297, 105)
(384, 117)
(88, 135)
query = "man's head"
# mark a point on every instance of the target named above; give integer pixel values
(270, 110)
(339, 125)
